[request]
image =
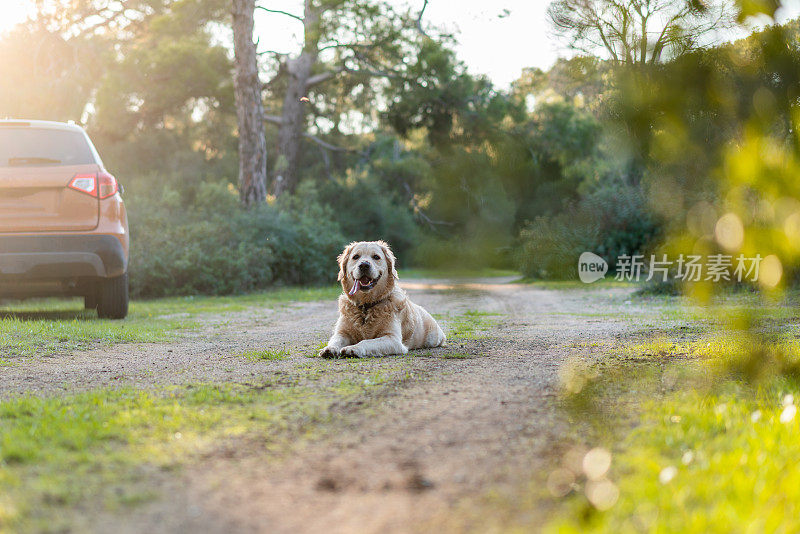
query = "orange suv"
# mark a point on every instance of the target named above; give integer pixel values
(63, 225)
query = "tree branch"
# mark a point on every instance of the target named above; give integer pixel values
(419, 212)
(419, 19)
(328, 146)
(372, 70)
(324, 76)
(274, 119)
(273, 52)
(376, 73)
(337, 44)
(278, 11)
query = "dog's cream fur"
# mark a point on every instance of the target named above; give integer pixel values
(381, 320)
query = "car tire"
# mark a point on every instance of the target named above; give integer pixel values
(112, 299)
(90, 300)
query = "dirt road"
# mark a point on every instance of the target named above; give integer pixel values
(406, 461)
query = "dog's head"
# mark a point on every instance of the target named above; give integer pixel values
(367, 270)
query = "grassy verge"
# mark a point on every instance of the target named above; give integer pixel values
(708, 452)
(685, 435)
(65, 332)
(700, 462)
(65, 459)
(44, 327)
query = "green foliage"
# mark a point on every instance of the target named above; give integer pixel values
(559, 154)
(166, 103)
(366, 209)
(612, 221)
(476, 253)
(445, 100)
(192, 237)
(485, 182)
(582, 79)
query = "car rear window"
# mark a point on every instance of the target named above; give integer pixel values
(21, 147)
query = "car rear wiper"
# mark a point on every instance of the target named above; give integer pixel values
(32, 161)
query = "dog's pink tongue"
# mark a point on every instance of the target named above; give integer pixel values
(355, 288)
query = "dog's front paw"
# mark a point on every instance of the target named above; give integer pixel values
(329, 352)
(352, 352)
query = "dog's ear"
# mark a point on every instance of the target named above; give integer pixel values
(342, 259)
(390, 259)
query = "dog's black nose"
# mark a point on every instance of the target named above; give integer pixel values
(363, 266)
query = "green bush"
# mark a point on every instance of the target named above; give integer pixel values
(366, 210)
(455, 252)
(193, 238)
(612, 221)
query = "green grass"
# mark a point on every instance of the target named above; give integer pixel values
(48, 333)
(56, 453)
(280, 354)
(66, 459)
(702, 431)
(194, 305)
(468, 326)
(703, 462)
(44, 327)
(99, 450)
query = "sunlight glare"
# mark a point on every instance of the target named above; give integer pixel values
(602, 494)
(14, 12)
(596, 463)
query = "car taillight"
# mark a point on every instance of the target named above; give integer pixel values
(101, 185)
(85, 183)
(107, 184)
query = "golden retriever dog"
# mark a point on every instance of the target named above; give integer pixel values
(375, 316)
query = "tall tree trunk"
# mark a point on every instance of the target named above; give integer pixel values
(249, 107)
(293, 114)
(293, 117)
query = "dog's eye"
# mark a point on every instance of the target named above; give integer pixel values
(356, 257)
(376, 257)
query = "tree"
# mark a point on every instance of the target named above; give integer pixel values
(582, 79)
(249, 107)
(171, 78)
(345, 42)
(639, 32)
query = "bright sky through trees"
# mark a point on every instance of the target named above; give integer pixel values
(497, 39)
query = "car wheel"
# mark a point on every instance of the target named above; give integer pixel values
(112, 300)
(90, 300)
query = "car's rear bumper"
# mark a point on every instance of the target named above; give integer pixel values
(60, 257)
